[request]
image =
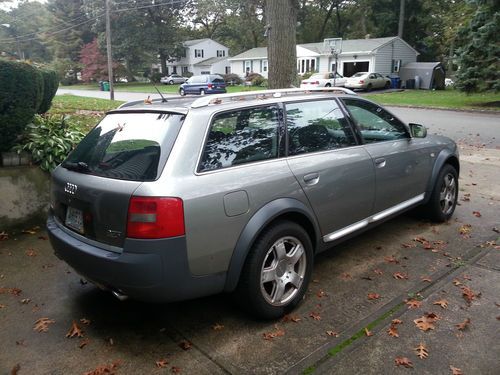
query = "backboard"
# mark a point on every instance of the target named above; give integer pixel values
(333, 45)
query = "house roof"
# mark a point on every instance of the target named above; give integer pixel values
(210, 61)
(192, 42)
(349, 46)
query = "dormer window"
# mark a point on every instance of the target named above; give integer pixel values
(198, 53)
(221, 53)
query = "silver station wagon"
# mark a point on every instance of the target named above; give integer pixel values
(237, 192)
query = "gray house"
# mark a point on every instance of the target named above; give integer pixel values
(381, 55)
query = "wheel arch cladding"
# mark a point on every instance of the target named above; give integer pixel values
(444, 157)
(279, 209)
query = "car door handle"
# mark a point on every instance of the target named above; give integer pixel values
(311, 178)
(380, 162)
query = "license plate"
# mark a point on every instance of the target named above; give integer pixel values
(74, 219)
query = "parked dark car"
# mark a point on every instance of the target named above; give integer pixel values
(203, 84)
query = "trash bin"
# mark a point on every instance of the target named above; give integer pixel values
(105, 86)
(395, 82)
(410, 84)
(101, 86)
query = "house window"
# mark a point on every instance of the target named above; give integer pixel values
(264, 65)
(221, 53)
(198, 53)
(228, 69)
(205, 72)
(248, 67)
(184, 69)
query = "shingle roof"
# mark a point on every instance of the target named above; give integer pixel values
(192, 42)
(348, 47)
(210, 61)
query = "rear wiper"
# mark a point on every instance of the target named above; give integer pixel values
(76, 166)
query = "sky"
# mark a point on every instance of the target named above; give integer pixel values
(7, 5)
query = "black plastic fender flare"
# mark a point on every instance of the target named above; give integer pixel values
(441, 160)
(254, 227)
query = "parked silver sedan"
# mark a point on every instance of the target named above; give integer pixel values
(172, 79)
(367, 81)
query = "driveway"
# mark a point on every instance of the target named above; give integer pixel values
(402, 259)
(119, 95)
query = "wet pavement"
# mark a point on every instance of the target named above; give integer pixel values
(401, 259)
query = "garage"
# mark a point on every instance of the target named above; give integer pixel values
(351, 68)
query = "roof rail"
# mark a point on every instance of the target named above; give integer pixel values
(265, 94)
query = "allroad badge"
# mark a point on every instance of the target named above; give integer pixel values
(70, 188)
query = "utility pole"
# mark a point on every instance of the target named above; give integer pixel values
(401, 18)
(110, 58)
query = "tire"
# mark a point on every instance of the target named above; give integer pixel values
(170, 82)
(182, 92)
(202, 92)
(443, 199)
(387, 85)
(282, 253)
(328, 85)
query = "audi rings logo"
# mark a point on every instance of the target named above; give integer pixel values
(70, 188)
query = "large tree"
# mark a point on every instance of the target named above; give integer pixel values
(281, 51)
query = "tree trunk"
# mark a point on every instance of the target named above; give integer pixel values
(401, 18)
(321, 34)
(163, 62)
(281, 50)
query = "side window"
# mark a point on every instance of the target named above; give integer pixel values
(375, 123)
(240, 137)
(317, 126)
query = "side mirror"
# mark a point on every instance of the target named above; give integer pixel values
(418, 131)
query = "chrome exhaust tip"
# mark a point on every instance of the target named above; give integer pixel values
(120, 296)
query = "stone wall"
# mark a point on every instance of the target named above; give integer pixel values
(24, 196)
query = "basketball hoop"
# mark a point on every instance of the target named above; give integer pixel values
(334, 45)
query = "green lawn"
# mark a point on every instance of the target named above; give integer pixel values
(149, 88)
(85, 112)
(449, 98)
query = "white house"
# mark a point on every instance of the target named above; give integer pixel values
(381, 55)
(201, 56)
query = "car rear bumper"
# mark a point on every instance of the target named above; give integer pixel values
(355, 85)
(147, 270)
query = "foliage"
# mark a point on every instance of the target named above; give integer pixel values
(49, 140)
(155, 77)
(50, 85)
(258, 80)
(95, 64)
(479, 56)
(20, 97)
(250, 77)
(187, 74)
(232, 78)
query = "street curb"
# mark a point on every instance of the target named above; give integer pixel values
(483, 111)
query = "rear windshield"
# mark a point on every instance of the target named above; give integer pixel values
(127, 146)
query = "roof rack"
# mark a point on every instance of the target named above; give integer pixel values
(265, 94)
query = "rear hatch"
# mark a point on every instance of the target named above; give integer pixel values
(217, 84)
(91, 189)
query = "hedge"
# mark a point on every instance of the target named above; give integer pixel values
(50, 85)
(21, 96)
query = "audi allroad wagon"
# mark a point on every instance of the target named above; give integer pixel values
(238, 192)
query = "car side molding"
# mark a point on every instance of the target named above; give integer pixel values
(257, 224)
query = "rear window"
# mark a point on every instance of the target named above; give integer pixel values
(127, 146)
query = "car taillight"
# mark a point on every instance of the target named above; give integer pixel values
(315, 83)
(155, 217)
(361, 81)
(209, 85)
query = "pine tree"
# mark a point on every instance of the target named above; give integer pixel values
(479, 54)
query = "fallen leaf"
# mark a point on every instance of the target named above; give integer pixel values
(104, 369)
(28, 231)
(393, 330)
(466, 197)
(422, 240)
(463, 325)
(44, 238)
(442, 302)
(74, 331)
(25, 301)
(15, 369)
(42, 324)
(426, 322)
(13, 291)
(391, 259)
(217, 327)
(476, 213)
(4, 236)
(161, 363)
(175, 370)
(456, 282)
(21, 343)
(2, 306)
(425, 278)
(346, 276)
(315, 315)
(291, 318)
(465, 230)
(467, 277)
(185, 345)
(278, 332)
(455, 370)
(368, 333)
(469, 295)
(397, 321)
(400, 276)
(83, 343)
(378, 272)
(85, 321)
(321, 293)
(413, 303)
(407, 245)
(373, 296)
(332, 333)
(31, 253)
(403, 361)
(422, 351)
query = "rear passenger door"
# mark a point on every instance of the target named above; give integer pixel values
(402, 164)
(336, 174)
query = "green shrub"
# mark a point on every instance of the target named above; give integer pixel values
(49, 140)
(258, 80)
(155, 77)
(187, 74)
(21, 89)
(50, 85)
(250, 77)
(232, 78)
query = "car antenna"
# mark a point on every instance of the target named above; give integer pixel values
(163, 99)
